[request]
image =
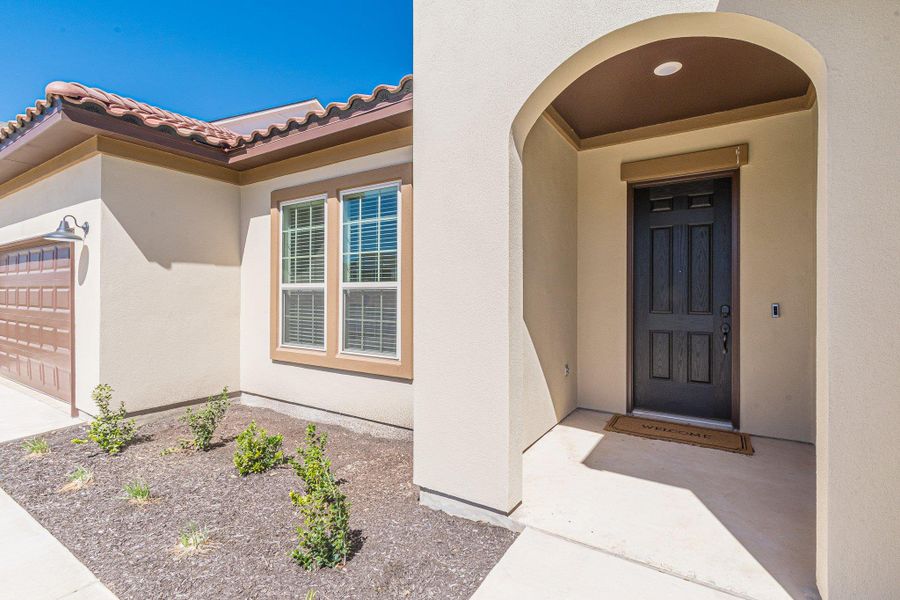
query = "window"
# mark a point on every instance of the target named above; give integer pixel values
(341, 272)
(303, 273)
(369, 281)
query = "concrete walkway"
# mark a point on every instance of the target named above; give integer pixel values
(24, 415)
(539, 566)
(33, 564)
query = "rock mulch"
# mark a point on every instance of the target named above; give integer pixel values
(403, 549)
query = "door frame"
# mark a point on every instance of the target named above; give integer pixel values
(735, 176)
(39, 240)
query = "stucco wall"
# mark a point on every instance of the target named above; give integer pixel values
(509, 60)
(37, 210)
(549, 211)
(375, 398)
(171, 284)
(777, 264)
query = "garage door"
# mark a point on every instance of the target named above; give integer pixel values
(36, 316)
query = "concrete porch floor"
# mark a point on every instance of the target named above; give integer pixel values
(744, 525)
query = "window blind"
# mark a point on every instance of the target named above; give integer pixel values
(303, 243)
(370, 294)
(370, 321)
(304, 318)
(303, 273)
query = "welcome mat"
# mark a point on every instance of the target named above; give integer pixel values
(730, 441)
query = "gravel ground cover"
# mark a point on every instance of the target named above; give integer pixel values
(403, 550)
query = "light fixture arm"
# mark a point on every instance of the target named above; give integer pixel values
(65, 232)
(84, 226)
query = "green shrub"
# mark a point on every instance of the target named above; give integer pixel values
(323, 539)
(110, 430)
(36, 446)
(203, 421)
(257, 452)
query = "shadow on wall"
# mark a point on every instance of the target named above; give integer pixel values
(45, 202)
(549, 274)
(84, 262)
(549, 393)
(171, 217)
(255, 208)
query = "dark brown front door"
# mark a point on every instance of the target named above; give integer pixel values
(36, 317)
(682, 298)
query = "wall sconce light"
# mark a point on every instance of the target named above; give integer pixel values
(65, 233)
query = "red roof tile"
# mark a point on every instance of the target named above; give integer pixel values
(203, 131)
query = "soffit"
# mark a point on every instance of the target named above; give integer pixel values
(718, 74)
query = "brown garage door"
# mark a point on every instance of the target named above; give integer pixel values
(36, 316)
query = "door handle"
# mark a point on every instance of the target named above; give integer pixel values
(726, 329)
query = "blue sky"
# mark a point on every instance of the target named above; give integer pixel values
(205, 59)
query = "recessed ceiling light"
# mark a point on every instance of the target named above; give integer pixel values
(667, 68)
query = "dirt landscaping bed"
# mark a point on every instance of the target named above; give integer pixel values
(403, 549)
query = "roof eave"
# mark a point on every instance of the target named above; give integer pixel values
(120, 128)
(380, 119)
(64, 125)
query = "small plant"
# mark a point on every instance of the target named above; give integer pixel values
(203, 422)
(36, 447)
(257, 452)
(310, 595)
(110, 430)
(192, 539)
(323, 539)
(137, 491)
(78, 478)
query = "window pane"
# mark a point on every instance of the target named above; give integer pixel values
(370, 235)
(389, 203)
(304, 318)
(368, 268)
(388, 266)
(388, 234)
(303, 242)
(370, 321)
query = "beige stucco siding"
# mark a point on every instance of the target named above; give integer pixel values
(36, 210)
(549, 210)
(370, 397)
(511, 61)
(777, 264)
(170, 284)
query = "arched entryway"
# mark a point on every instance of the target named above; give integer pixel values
(623, 174)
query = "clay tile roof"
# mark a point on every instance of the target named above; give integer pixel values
(333, 109)
(21, 120)
(119, 106)
(202, 131)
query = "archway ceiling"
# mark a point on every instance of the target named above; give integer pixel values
(718, 74)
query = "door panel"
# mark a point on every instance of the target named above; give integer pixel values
(681, 281)
(36, 317)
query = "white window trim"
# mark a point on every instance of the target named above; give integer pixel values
(375, 285)
(282, 286)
